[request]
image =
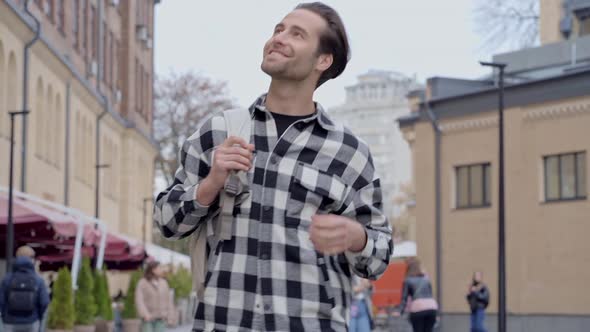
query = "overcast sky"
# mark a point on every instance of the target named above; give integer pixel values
(223, 39)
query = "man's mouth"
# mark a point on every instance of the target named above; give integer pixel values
(278, 52)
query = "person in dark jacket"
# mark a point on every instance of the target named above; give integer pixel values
(478, 298)
(423, 307)
(23, 294)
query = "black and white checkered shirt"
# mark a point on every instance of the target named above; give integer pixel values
(268, 276)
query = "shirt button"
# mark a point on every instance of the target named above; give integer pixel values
(264, 256)
(273, 160)
(266, 208)
(266, 307)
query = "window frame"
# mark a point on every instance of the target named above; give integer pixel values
(486, 168)
(560, 197)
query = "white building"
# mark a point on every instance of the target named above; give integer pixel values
(371, 108)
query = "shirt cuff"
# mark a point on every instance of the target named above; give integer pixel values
(190, 197)
(366, 252)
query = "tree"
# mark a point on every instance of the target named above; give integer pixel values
(507, 24)
(182, 282)
(129, 310)
(61, 309)
(85, 301)
(402, 224)
(102, 296)
(181, 102)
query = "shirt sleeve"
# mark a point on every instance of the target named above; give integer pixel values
(176, 211)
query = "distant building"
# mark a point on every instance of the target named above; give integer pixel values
(370, 110)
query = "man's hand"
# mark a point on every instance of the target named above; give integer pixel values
(233, 154)
(333, 234)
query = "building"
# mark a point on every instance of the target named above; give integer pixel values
(87, 68)
(547, 142)
(370, 110)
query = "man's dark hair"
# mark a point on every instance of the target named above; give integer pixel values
(332, 41)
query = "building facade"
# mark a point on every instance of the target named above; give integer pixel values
(547, 141)
(370, 110)
(87, 69)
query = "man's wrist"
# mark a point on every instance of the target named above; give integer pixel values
(359, 237)
(207, 191)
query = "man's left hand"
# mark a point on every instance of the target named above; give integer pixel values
(333, 234)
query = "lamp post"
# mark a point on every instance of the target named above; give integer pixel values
(10, 232)
(501, 212)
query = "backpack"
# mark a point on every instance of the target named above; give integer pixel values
(21, 297)
(237, 123)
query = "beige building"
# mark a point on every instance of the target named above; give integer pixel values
(87, 82)
(547, 141)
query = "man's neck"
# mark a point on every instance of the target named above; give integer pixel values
(290, 98)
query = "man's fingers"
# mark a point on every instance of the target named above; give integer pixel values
(233, 165)
(237, 158)
(233, 140)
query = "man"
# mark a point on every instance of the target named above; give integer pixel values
(312, 215)
(23, 295)
(478, 297)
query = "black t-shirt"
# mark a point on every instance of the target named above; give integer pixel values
(284, 121)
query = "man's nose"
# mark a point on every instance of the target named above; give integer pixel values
(279, 38)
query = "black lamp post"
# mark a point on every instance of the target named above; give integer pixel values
(501, 212)
(10, 232)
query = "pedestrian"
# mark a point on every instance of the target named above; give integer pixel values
(152, 299)
(311, 213)
(361, 313)
(23, 294)
(478, 297)
(423, 307)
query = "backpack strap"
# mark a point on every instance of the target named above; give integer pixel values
(238, 122)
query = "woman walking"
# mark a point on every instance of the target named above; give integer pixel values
(153, 300)
(423, 308)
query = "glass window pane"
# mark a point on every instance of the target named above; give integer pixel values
(487, 185)
(552, 178)
(568, 176)
(462, 186)
(476, 185)
(581, 165)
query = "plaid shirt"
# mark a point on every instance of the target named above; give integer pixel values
(269, 276)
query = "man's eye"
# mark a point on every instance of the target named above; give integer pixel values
(297, 34)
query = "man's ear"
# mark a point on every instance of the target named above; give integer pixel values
(324, 62)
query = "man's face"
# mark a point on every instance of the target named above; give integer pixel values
(291, 52)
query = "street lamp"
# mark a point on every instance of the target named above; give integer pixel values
(10, 232)
(143, 235)
(501, 212)
(97, 187)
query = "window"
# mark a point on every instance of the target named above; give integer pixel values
(59, 8)
(565, 176)
(111, 81)
(75, 22)
(105, 52)
(473, 186)
(93, 32)
(84, 26)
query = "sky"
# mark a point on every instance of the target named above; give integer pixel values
(223, 40)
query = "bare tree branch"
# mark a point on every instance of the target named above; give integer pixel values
(507, 25)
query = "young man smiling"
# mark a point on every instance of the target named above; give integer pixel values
(312, 215)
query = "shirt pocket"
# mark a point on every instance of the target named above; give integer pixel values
(314, 191)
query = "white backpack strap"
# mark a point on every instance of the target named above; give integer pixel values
(238, 123)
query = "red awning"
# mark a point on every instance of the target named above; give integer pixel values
(53, 234)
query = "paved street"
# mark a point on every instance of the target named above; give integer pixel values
(184, 328)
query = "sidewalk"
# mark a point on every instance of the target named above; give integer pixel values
(183, 328)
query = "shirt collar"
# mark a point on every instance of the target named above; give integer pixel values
(321, 116)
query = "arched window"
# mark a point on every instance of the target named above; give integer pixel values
(3, 115)
(38, 117)
(47, 130)
(11, 92)
(59, 140)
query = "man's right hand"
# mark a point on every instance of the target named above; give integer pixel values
(234, 154)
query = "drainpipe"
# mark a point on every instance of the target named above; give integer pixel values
(106, 104)
(437, 191)
(67, 145)
(26, 96)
